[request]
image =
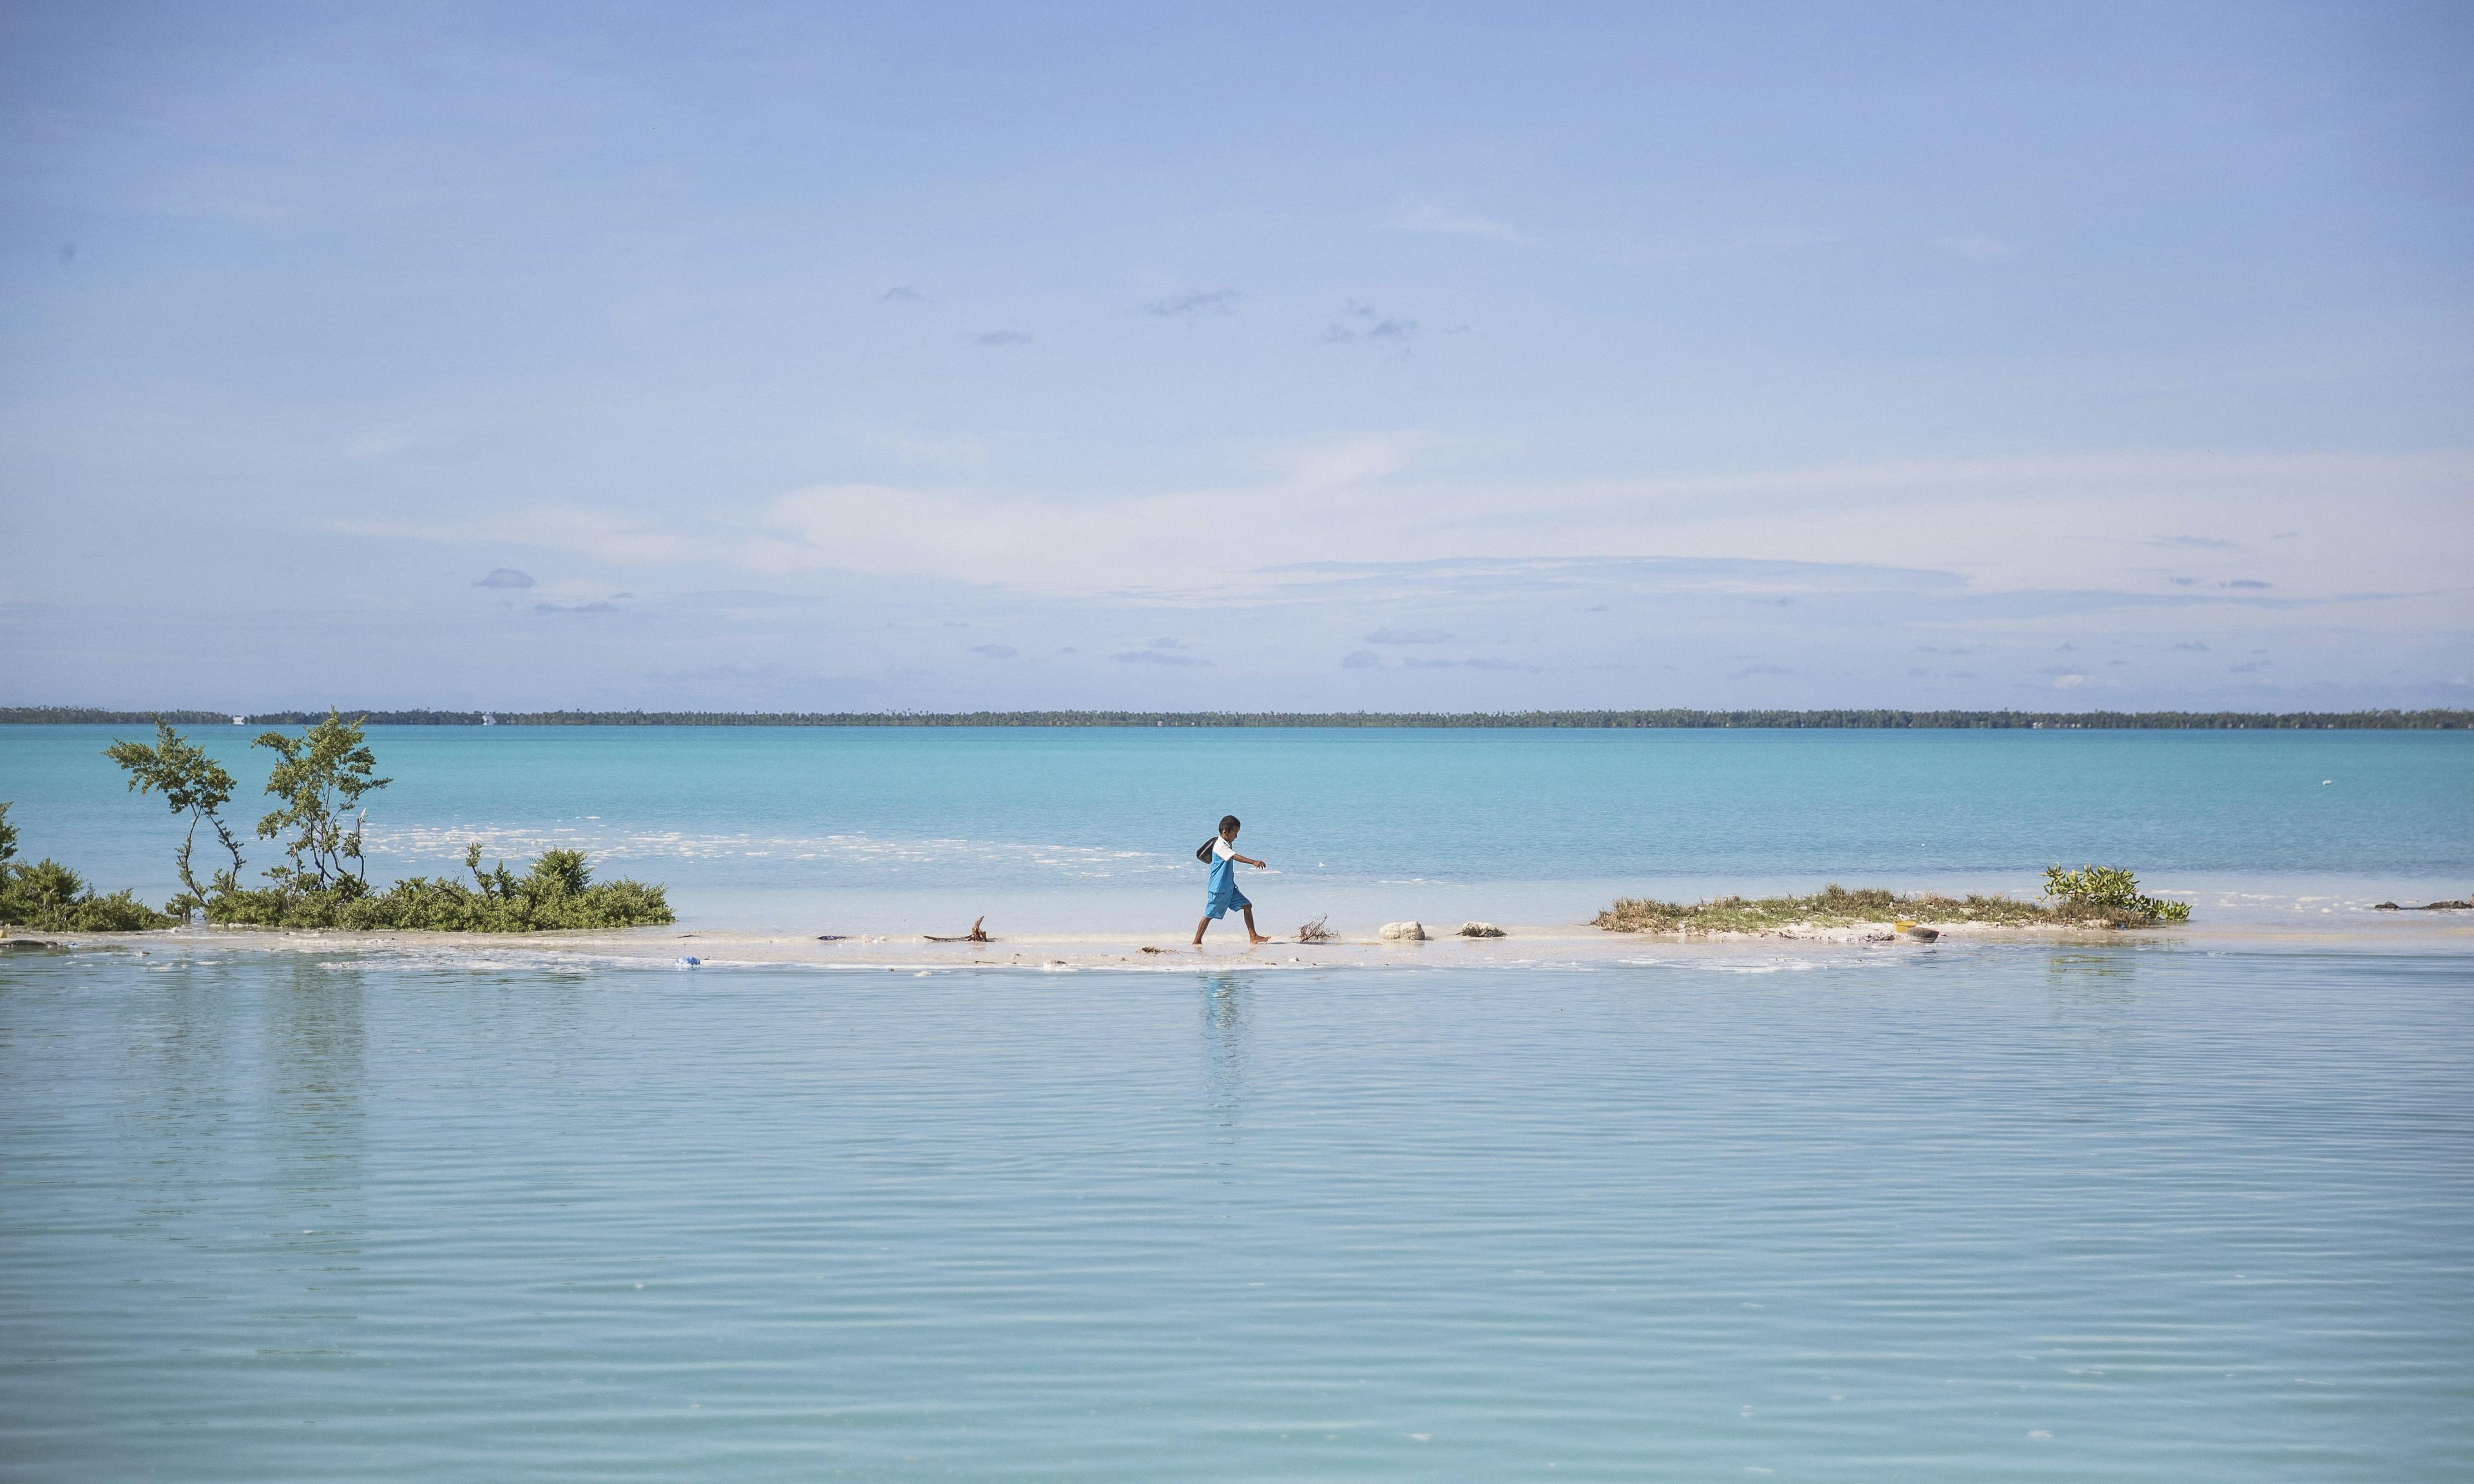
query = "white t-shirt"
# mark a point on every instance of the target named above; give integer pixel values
(1221, 848)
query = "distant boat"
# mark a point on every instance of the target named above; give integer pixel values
(240, 720)
(488, 720)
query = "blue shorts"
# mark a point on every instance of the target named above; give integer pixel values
(1224, 894)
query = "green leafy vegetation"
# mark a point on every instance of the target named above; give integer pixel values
(51, 897)
(2102, 904)
(2437, 720)
(192, 783)
(319, 780)
(2112, 891)
(558, 892)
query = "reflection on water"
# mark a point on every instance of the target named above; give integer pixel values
(315, 1074)
(1223, 1044)
(1980, 1212)
(2081, 969)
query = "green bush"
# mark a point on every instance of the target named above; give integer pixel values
(49, 896)
(2111, 890)
(557, 892)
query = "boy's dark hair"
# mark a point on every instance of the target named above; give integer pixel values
(1203, 851)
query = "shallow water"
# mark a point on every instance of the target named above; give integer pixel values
(1977, 1213)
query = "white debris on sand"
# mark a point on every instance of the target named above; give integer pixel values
(1403, 932)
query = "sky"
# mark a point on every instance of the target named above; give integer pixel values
(1459, 357)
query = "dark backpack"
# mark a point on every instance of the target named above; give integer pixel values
(1203, 851)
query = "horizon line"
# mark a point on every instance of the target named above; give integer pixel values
(1674, 718)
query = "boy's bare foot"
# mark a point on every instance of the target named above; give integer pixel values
(1257, 937)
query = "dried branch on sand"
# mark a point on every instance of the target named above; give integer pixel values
(1316, 932)
(977, 934)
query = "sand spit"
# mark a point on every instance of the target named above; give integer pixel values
(1519, 947)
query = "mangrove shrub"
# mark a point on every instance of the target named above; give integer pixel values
(2112, 892)
(51, 897)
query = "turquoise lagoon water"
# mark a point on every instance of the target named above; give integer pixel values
(1069, 829)
(2160, 1208)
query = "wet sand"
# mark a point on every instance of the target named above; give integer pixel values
(1535, 945)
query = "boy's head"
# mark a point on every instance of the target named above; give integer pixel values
(1228, 827)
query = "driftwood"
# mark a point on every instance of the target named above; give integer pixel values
(1316, 932)
(977, 934)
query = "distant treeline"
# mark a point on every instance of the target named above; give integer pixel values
(1833, 720)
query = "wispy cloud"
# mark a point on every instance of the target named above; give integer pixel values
(1360, 322)
(901, 293)
(1408, 636)
(1432, 218)
(2194, 542)
(932, 451)
(1439, 521)
(1158, 657)
(1001, 338)
(1193, 306)
(995, 651)
(1977, 247)
(505, 576)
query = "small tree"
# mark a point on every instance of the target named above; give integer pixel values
(193, 783)
(320, 779)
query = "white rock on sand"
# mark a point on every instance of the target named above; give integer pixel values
(1403, 932)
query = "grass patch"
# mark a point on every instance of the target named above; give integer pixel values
(1835, 907)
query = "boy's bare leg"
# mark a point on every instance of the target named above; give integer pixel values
(1197, 931)
(1250, 934)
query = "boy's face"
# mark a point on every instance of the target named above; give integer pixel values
(1228, 832)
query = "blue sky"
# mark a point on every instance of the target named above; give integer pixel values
(780, 358)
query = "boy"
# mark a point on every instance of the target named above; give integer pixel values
(1222, 852)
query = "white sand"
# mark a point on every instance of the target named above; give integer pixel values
(1522, 947)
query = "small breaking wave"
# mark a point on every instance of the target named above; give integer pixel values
(874, 852)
